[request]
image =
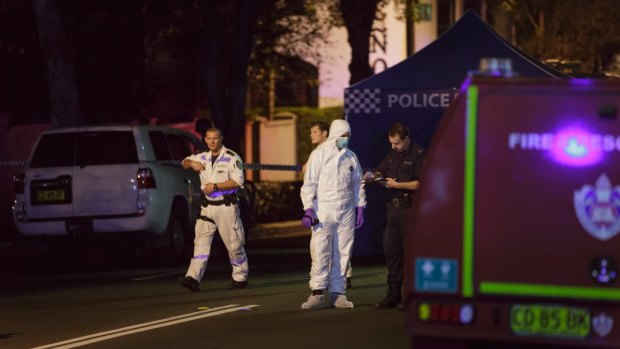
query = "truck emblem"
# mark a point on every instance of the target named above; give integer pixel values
(602, 324)
(598, 208)
(603, 270)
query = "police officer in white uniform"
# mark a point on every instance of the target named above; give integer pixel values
(221, 174)
(334, 199)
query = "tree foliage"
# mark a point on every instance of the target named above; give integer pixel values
(584, 30)
(290, 29)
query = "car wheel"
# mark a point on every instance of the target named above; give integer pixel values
(180, 240)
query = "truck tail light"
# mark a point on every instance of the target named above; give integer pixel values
(146, 179)
(19, 183)
(448, 313)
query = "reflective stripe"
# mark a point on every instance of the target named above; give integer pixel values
(556, 291)
(222, 192)
(469, 192)
(239, 262)
(202, 256)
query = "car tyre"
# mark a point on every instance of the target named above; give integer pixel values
(180, 237)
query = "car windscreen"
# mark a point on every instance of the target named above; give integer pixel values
(54, 150)
(106, 148)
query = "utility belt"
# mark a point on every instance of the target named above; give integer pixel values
(402, 201)
(228, 200)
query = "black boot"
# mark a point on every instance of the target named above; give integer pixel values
(392, 300)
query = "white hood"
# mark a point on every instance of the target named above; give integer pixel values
(337, 129)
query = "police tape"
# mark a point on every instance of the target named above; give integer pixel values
(13, 163)
(248, 166)
(256, 167)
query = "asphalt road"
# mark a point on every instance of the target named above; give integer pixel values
(81, 299)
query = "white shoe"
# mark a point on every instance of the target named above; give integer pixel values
(314, 302)
(340, 301)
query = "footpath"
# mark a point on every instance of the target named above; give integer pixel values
(278, 230)
(260, 232)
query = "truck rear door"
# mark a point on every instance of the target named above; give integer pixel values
(547, 193)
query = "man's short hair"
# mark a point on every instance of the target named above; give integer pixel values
(400, 130)
(214, 129)
(322, 125)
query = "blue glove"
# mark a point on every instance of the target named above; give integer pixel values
(359, 221)
(309, 218)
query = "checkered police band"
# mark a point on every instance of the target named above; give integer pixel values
(364, 101)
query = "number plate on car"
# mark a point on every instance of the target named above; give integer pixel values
(50, 195)
(551, 321)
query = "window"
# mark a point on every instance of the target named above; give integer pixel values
(54, 149)
(160, 147)
(178, 147)
(196, 146)
(106, 148)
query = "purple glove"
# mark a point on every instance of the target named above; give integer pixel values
(309, 218)
(359, 221)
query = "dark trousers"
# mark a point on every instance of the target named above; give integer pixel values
(394, 242)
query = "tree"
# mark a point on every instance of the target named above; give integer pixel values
(287, 30)
(358, 16)
(587, 31)
(64, 98)
(24, 93)
(173, 90)
(238, 34)
(94, 60)
(224, 52)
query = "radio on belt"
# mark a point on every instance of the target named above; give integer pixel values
(515, 236)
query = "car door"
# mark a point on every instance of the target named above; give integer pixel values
(182, 146)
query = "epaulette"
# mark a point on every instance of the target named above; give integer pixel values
(230, 152)
(418, 149)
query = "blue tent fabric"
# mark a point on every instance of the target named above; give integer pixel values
(416, 92)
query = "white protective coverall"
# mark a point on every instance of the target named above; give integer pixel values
(332, 188)
(226, 219)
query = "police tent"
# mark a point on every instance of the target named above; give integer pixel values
(416, 92)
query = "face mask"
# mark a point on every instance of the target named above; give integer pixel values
(342, 142)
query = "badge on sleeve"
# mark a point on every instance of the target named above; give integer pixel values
(238, 164)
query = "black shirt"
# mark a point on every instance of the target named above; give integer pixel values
(403, 166)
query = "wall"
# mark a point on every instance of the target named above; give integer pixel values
(278, 146)
(15, 145)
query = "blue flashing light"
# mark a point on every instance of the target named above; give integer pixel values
(581, 82)
(576, 147)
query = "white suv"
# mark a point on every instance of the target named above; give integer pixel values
(111, 183)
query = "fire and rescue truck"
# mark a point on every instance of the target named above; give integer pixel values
(515, 237)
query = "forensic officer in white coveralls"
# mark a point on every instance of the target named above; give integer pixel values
(334, 199)
(221, 174)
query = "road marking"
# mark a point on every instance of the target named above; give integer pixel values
(102, 336)
(157, 276)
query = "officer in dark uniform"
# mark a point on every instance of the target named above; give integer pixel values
(400, 171)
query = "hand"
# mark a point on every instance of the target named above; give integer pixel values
(392, 183)
(368, 176)
(208, 189)
(359, 220)
(197, 166)
(309, 218)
